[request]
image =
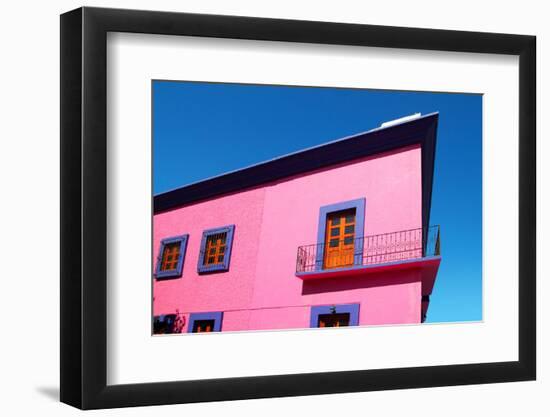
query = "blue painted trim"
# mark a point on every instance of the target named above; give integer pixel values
(216, 316)
(204, 269)
(176, 273)
(324, 211)
(352, 309)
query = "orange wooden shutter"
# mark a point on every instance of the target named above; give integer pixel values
(215, 249)
(334, 320)
(204, 326)
(170, 256)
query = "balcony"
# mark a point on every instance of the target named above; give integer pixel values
(373, 253)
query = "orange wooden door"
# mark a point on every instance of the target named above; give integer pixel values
(340, 239)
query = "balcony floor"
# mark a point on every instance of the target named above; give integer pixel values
(429, 266)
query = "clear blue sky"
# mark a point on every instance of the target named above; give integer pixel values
(203, 129)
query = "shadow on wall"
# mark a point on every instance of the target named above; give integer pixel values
(318, 286)
(50, 392)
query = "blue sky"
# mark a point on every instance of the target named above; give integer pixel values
(205, 129)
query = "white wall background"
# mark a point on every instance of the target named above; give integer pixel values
(29, 219)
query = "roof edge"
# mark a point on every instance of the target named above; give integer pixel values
(371, 142)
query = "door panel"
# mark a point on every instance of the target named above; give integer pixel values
(340, 239)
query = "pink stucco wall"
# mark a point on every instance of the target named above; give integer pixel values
(261, 290)
(213, 292)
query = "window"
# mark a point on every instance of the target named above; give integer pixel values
(333, 320)
(171, 256)
(205, 322)
(203, 326)
(215, 251)
(339, 315)
(341, 227)
(164, 324)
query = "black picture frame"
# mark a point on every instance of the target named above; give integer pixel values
(84, 207)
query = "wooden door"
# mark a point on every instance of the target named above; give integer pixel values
(340, 239)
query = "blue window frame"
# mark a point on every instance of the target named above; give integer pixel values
(351, 309)
(324, 211)
(220, 241)
(165, 244)
(196, 319)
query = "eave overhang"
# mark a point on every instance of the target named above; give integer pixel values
(420, 131)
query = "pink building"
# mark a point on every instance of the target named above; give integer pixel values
(334, 235)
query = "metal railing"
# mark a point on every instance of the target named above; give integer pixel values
(369, 250)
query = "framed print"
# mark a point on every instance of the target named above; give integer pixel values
(257, 207)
